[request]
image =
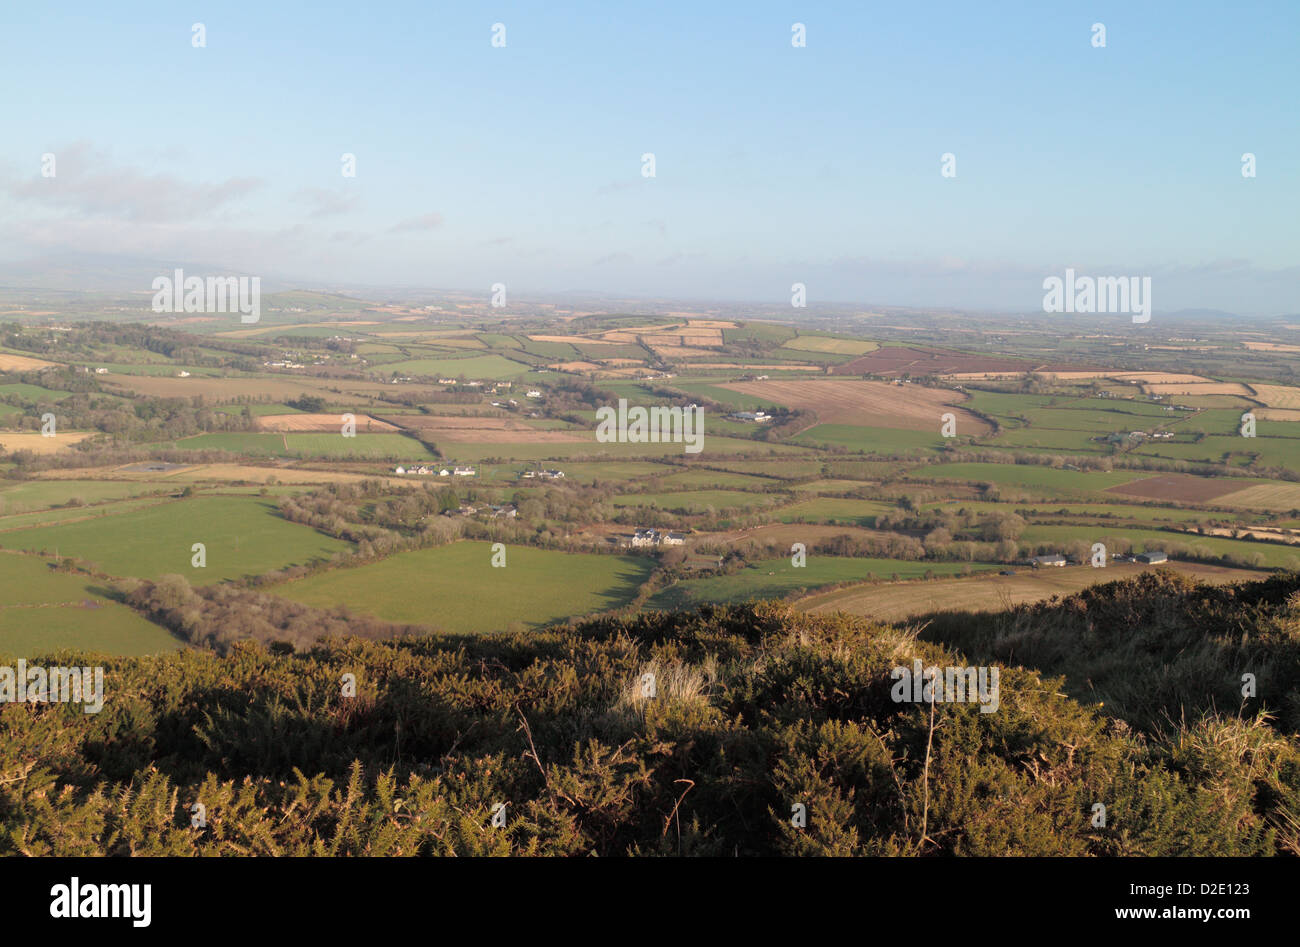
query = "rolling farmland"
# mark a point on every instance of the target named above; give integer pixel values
(456, 589)
(242, 536)
(854, 453)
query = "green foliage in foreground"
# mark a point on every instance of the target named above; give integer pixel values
(757, 708)
(1156, 649)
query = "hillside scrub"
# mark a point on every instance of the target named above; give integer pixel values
(757, 708)
(1157, 649)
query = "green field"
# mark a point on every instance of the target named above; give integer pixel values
(698, 501)
(23, 496)
(714, 446)
(33, 393)
(43, 611)
(863, 469)
(260, 409)
(774, 578)
(715, 478)
(836, 511)
(759, 332)
(372, 446)
(1056, 422)
(559, 351)
(1033, 476)
(1049, 440)
(474, 366)
(831, 486)
(252, 445)
(788, 467)
(1104, 415)
(497, 341)
(44, 517)
(1049, 510)
(733, 399)
(456, 589)
(244, 535)
(1269, 450)
(876, 440)
(1261, 555)
(634, 391)
(598, 351)
(1009, 409)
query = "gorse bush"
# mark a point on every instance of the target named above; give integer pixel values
(1157, 650)
(756, 709)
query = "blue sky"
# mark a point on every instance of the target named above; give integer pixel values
(774, 164)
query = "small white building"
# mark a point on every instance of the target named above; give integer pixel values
(653, 537)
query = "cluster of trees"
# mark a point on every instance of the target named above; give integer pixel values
(937, 546)
(355, 511)
(944, 525)
(434, 397)
(757, 712)
(308, 404)
(1080, 550)
(1124, 461)
(785, 423)
(92, 341)
(138, 421)
(379, 523)
(382, 520)
(217, 616)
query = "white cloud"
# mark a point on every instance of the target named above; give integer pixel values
(430, 221)
(88, 183)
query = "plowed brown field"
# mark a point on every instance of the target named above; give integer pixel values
(320, 422)
(866, 403)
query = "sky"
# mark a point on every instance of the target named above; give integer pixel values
(774, 164)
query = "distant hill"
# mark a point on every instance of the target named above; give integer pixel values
(99, 273)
